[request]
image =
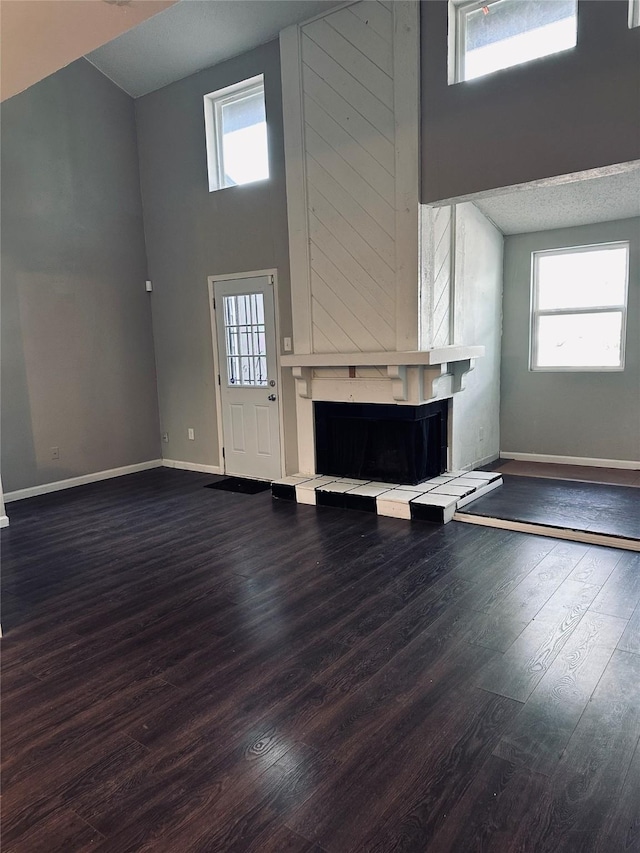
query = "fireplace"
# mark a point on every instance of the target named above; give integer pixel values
(377, 441)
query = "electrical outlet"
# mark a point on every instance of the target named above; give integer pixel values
(165, 437)
(191, 434)
(55, 453)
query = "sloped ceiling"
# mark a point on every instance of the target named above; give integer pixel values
(41, 36)
(193, 35)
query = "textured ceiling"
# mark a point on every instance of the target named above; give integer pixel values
(598, 199)
(195, 34)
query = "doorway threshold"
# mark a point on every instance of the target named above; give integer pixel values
(584, 536)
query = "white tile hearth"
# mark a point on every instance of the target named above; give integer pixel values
(435, 500)
(484, 489)
(482, 475)
(453, 489)
(371, 490)
(430, 507)
(395, 503)
(343, 485)
(294, 480)
(306, 492)
(465, 481)
(421, 488)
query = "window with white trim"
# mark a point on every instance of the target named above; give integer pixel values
(634, 13)
(578, 307)
(236, 134)
(488, 35)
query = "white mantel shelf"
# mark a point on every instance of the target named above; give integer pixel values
(412, 377)
(429, 357)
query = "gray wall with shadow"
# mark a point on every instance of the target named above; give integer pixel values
(192, 233)
(78, 367)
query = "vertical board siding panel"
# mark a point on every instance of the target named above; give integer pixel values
(406, 122)
(297, 205)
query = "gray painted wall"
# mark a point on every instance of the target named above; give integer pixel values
(593, 415)
(475, 427)
(192, 234)
(567, 113)
(77, 351)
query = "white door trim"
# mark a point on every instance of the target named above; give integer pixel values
(216, 362)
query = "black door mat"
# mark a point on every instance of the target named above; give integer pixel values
(588, 507)
(241, 485)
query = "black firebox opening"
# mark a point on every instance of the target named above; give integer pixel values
(376, 441)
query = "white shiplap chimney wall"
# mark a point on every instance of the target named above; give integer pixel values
(350, 85)
(369, 270)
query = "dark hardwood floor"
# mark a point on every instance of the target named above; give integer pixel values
(186, 669)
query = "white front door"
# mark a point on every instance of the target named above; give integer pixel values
(246, 334)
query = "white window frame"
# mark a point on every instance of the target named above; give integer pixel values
(634, 13)
(458, 10)
(213, 104)
(536, 312)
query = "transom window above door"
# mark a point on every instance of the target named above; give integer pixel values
(578, 307)
(236, 134)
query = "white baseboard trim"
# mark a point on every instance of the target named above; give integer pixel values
(192, 466)
(571, 460)
(478, 463)
(552, 532)
(4, 521)
(58, 485)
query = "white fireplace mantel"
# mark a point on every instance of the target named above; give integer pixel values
(412, 377)
(437, 355)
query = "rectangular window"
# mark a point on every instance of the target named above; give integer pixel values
(245, 340)
(578, 305)
(495, 34)
(634, 13)
(236, 134)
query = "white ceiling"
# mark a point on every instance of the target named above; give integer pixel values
(580, 202)
(195, 34)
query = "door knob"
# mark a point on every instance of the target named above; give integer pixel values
(271, 397)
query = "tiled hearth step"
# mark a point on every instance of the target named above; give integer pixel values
(434, 500)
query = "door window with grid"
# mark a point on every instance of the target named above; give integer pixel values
(245, 340)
